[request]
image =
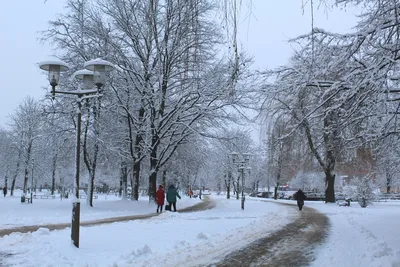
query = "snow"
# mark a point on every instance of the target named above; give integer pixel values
(173, 238)
(361, 236)
(357, 237)
(45, 211)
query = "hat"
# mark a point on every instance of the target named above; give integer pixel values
(160, 186)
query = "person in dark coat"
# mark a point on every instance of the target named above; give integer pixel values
(172, 194)
(160, 196)
(300, 197)
(5, 191)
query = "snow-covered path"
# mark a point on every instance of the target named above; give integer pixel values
(293, 245)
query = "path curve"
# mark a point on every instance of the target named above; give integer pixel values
(204, 205)
(293, 245)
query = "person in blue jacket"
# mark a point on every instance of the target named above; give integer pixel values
(172, 194)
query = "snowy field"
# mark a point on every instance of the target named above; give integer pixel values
(170, 239)
(45, 211)
(358, 237)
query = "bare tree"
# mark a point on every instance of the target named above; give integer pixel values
(26, 125)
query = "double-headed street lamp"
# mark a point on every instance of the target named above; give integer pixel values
(92, 75)
(241, 162)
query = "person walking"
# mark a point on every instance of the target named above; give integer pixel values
(190, 193)
(300, 197)
(172, 194)
(160, 196)
(5, 191)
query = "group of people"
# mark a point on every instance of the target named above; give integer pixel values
(172, 195)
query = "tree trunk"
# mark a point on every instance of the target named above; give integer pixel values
(388, 180)
(153, 166)
(121, 179)
(228, 186)
(124, 179)
(136, 180)
(330, 187)
(13, 186)
(276, 190)
(164, 178)
(91, 187)
(152, 186)
(26, 180)
(237, 188)
(14, 178)
(137, 156)
(53, 175)
(278, 175)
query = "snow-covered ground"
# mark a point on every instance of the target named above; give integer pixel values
(358, 237)
(361, 236)
(170, 239)
(45, 211)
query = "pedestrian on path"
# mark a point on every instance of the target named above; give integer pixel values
(300, 197)
(190, 193)
(5, 191)
(172, 194)
(160, 196)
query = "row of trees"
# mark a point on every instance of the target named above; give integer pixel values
(39, 148)
(173, 85)
(338, 94)
(180, 85)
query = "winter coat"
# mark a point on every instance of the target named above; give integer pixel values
(160, 196)
(172, 194)
(300, 196)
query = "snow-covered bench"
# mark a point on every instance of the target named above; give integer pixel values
(44, 196)
(84, 196)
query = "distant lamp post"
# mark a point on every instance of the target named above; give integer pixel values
(241, 162)
(93, 74)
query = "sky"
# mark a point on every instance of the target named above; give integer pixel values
(356, 237)
(263, 33)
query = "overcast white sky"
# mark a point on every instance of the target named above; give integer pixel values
(263, 34)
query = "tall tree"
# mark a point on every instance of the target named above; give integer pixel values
(26, 126)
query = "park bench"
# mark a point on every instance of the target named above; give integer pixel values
(84, 196)
(40, 196)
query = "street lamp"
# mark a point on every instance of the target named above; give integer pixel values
(93, 74)
(241, 162)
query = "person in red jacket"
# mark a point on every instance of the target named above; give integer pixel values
(160, 196)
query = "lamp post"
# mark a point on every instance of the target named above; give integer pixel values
(32, 181)
(93, 74)
(241, 162)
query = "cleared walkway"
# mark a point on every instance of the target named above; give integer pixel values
(291, 246)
